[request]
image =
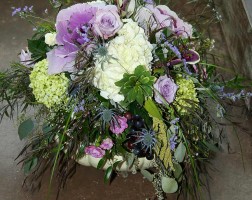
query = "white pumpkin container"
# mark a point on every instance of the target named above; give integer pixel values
(142, 163)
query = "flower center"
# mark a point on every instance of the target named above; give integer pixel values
(102, 51)
(166, 90)
(107, 22)
(83, 34)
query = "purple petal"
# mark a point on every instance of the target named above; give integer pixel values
(81, 18)
(58, 62)
(65, 14)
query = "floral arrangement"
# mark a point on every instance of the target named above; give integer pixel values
(126, 79)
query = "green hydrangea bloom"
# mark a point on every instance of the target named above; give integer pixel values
(51, 90)
(186, 96)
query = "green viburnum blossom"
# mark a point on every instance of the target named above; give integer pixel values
(51, 90)
(186, 96)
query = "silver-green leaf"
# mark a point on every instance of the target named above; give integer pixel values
(147, 175)
(25, 128)
(180, 152)
(169, 185)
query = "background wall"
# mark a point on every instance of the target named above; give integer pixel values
(237, 32)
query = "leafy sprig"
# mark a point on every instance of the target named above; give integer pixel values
(137, 86)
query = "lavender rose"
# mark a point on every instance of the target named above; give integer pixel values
(119, 126)
(107, 22)
(94, 151)
(165, 89)
(168, 18)
(157, 17)
(107, 144)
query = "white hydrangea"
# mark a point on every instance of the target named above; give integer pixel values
(128, 50)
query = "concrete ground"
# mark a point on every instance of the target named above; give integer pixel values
(230, 181)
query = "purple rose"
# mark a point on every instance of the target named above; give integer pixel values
(157, 17)
(167, 18)
(165, 89)
(107, 22)
(94, 151)
(118, 126)
(107, 144)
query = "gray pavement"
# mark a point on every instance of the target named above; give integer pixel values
(230, 181)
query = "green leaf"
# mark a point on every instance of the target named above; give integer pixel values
(145, 80)
(25, 128)
(38, 48)
(152, 109)
(46, 128)
(178, 171)
(130, 160)
(133, 79)
(211, 146)
(131, 96)
(180, 152)
(115, 164)
(139, 97)
(147, 175)
(169, 185)
(101, 163)
(147, 89)
(159, 52)
(108, 174)
(167, 32)
(139, 70)
(30, 165)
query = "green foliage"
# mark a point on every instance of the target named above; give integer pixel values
(101, 163)
(152, 109)
(25, 128)
(38, 48)
(14, 86)
(236, 83)
(136, 86)
(177, 171)
(109, 171)
(169, 185)
(108, 174)
(147, 175)
(29, 165)
(180, 152)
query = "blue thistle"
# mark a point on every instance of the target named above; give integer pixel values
(147, 139)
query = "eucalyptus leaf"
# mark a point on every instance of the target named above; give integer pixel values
(130, 160)
(178, 171)
(169, 185)
(147, 175)
(180, 152)
(25, 128)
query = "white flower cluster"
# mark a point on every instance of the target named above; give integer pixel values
(128, 50)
